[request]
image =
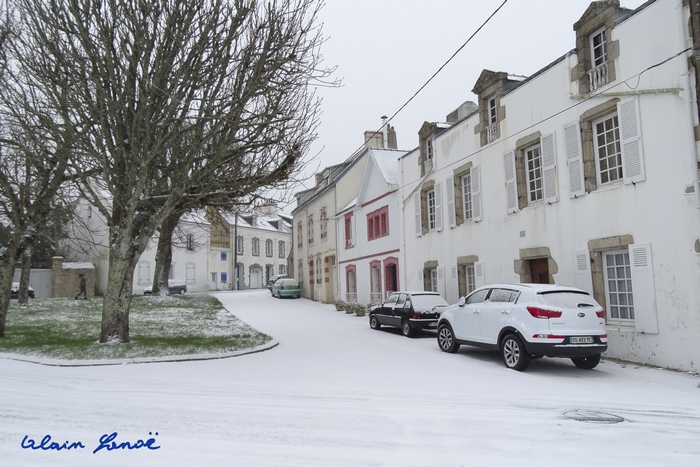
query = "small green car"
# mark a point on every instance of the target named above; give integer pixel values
(286, 287)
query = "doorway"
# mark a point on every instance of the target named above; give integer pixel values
(539, 271)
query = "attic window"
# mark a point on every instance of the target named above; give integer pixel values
(492, 111)
(599, 53)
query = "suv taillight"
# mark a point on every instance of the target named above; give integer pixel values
(542, 313)
(600, 314)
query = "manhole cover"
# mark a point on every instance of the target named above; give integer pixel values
(592, 416)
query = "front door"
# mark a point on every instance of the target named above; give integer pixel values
(539, 271)
(467, 318)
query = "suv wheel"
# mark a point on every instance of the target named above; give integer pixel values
(587, 363)
(513, 352)
(374, 322)
(406, 329)
(182, 291)
(446, 339)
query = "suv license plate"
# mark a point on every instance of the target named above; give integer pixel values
(581, 340)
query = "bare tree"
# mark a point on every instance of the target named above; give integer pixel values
(207, 89)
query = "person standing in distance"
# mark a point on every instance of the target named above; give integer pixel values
(83, 288)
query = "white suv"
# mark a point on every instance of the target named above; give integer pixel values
(525, 321)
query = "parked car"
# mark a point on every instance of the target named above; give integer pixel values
(274, 279)
(526, 321)
(175, 287)
(408, 311)
(14, 290)
(286, 287)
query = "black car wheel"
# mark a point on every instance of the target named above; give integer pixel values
(587, 363)
(406, 329)
(446, 339)
(374, 322)
(182, 291)
(514, 355)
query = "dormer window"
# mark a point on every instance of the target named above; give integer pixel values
(599, 54)
(492, 111)
(429, 149)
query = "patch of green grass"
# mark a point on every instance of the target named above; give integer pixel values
(66, 329)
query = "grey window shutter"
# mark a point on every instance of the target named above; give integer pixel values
(583, 278)
(643, 291)
(631, 140)
(511, 186)
(438, 207)
(451, 215)
(476, 193)
(479, 279)
(574, 160)
(416, 205)
(549, 167)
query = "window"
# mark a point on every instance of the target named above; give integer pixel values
(375, 282)
(144, 272)
(311, 270)
(429, 148)
(431, 210)
(239, 245)
(324, 222)
(349, 230)
(300, 235)
(607, 149)
(599, 53)
(351, 284)
(268, 248)
(493, 117)
(434, 280)
(533, 169)
(256, 247)
(310, 224)
(618, 285)
(283, 269)
(189, 272)
(471, 278)
(189, 246)
(319, 273)
(503, 295)
(477, 297)
(300, 271)
(282, 248)
(223, 256)
(224, 277)
(377, 223)
(467, 196)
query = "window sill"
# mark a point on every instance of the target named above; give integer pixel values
(620, 326)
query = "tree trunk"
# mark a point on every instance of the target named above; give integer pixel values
(164, 254)
(23, 294)
(7, 272)
(117, 300)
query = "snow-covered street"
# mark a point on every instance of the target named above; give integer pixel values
(336, 393)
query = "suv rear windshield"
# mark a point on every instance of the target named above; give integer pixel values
(567, 299)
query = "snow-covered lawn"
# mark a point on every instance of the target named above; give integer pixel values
(336, 393)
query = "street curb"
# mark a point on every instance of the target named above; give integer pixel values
(127, 361)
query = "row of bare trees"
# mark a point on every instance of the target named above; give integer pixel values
(149, 109)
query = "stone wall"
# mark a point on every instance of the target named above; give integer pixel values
(66, 278)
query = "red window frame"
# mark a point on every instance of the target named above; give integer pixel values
(378, 223)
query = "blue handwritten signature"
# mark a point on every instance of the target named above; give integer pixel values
(107, 442)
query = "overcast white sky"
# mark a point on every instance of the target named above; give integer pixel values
(386, 49)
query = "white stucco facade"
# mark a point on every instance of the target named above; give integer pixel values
(368, 233)
(648, 216)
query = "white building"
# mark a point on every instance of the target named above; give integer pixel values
(585, 174)
(368, 234)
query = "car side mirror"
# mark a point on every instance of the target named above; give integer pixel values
(462, 301)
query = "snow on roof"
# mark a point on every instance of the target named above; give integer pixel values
(78, 265)
(387, 161)
(196, 217)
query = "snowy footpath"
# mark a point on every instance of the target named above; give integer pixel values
(336, 393)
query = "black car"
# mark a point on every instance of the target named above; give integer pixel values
(175, 287)
(408, 311)
(14, 291)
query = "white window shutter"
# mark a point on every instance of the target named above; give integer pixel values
(453, 272)
(420, 276)
(475, 173)
(583, 278)
(574, 160)
(416, 205)
(549, 167)
(438, 207)
(352, 230)
(643, 291)
(479, 279)
(631, 140)
(511, 184)
(451, 215)
(441, 280)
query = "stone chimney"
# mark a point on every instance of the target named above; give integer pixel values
(462, 111)
(319, 179)
(391, 138)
